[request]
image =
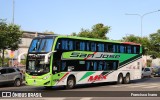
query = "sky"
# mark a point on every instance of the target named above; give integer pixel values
(68, 16)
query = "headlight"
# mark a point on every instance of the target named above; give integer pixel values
(46, 77)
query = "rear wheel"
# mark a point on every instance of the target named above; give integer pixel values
(120, 79)
(127, 79)
(70, 83)
(17, 82)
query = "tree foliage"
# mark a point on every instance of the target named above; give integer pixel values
(10, 35)
(151, 44)
(98, 31)
(155, 44)
(144, 41)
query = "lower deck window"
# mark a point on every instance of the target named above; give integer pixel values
(88, 65)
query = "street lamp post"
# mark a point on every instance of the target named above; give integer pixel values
(13, 12)
(141, 17)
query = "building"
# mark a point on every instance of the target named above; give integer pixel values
(26, 39)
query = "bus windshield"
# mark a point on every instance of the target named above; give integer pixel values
(41, 45)
(37, 67)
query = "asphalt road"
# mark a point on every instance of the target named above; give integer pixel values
(107, 90)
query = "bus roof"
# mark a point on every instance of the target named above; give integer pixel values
(100, 40)
(84, 38)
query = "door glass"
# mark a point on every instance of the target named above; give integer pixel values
(3, 71)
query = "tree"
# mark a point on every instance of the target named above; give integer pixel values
(155, 44)
(10, 35)
(144, 41)
(98, 31)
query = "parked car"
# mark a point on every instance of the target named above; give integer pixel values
(156, 71)
(146, 72)
(10, 75)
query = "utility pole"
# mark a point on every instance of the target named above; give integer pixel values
(13, 12)
(141, 17)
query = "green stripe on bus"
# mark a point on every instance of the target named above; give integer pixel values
(86, 75)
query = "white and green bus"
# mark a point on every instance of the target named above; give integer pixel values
(69, 60)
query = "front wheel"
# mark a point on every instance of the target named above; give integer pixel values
(70, 83)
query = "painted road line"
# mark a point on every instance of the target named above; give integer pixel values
(35, 99)
(85, 98)
(134, 86)
(148, 87)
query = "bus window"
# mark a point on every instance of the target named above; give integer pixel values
(87, 46)
(128, 49)
(82, 46)
(77, 45)
(121, 49)
(114, 48)
(95, 66)
(106, 48)
(65, 44)
(88, 65)
(134, 49)
(114, 66)
(100, 65)
(46, 45)
(137, 49)
(58, 45)
(100, 47)
(117, 48)
(70, 45)
(110, 48)
(105, 66)
(34, 46)
(63, 68)
(93, 46)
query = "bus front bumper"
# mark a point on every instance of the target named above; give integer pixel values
(38, 82)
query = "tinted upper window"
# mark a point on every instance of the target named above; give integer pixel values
(85, 45)
(41, 45)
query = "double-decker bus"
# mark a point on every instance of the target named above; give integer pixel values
(69, 60)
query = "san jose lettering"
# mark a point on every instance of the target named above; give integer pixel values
(83, 55)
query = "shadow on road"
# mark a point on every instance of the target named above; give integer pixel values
(80, 86)
(144, 80)
(9, 85)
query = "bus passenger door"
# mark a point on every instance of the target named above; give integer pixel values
(56, 72)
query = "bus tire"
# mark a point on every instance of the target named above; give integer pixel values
(127, 79)
(120, 79)
(48, 87)
(70, 82)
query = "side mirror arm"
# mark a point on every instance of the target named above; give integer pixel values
(20, 55)
(47, 56)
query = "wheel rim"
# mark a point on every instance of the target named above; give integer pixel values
(70, 83)
(18, 83)
(127, 79)
(120, 80)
